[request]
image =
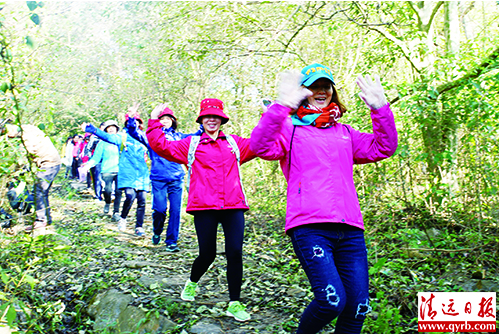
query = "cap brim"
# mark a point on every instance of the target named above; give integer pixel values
(224, 120)
(314, 78)
(215, 112)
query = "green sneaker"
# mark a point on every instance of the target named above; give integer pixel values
(189, 291)
(238, 311)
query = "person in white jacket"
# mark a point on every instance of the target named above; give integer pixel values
(68, 156)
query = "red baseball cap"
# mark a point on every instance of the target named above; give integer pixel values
(212, 107)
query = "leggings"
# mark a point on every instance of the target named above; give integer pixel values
(131, 194)
(206, 223)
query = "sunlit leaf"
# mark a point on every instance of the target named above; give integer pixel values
(30, 280)
(35, 18)
(4, 86)
(11, 315)
(30, 41)
(5, 277)
(31, 5)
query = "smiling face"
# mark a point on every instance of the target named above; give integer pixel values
(322, 92)
(211, 123)
(166, 121)
(112, 129)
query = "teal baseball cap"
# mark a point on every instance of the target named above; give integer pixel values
(314, 72)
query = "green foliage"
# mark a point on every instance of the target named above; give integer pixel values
(430, 211)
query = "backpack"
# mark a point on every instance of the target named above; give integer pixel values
(191, 157)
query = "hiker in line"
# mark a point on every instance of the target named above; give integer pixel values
(68, 157)
(216, 193)
(167, 180)
(77, 146)
(323, 217)
(108, 157)
(85, 155)
(95, 171)
(133, 176)
(48, 161)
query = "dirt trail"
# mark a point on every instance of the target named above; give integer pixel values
(102, 257)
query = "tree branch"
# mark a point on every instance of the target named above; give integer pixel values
(303, 25)
(490, 63)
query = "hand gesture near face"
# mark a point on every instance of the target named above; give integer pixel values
(291, 93)
(133, 110)
(372, 92)
(156, 111)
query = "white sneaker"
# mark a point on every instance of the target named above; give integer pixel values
(122, 225)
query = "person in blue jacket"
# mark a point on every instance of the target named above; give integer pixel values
(133, 175)
(167, 179)
(108, 156)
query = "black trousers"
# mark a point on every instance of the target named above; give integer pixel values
(206, 223)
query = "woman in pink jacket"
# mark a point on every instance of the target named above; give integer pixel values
(216, 194)
(323, 216)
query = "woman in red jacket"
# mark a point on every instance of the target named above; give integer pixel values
(216, 193)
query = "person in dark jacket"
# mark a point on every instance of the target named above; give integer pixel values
(167, 180)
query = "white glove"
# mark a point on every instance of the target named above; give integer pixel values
(159, 108)
(291, 93)
(372, 92)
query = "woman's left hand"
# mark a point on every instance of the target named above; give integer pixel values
(372, 92)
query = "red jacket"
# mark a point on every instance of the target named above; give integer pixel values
(215, 180)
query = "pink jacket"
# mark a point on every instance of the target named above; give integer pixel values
(320, 173)
(215, 181)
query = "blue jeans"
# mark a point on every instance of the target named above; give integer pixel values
(97, 181)
(171, 190)
(334, 257)
(42, 187)
(111, 179)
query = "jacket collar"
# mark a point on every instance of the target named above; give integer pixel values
(205, 138)
(168, 130)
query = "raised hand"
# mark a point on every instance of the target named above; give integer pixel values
(133, 110)
(84, 126)
(372, 92)
(291, 93)
(156, 111)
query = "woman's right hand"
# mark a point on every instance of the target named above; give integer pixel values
(291, 93)
(159, 108)
(84, 126)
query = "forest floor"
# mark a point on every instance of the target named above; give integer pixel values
(99, 257)
(83, 254)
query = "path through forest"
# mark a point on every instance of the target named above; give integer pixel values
(101, 258)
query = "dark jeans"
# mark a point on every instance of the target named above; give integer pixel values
(97, 181)
(109, 179)
(74, 167)
(206, 223)
(41, 193)
(171, 190)
(131, 194)
(334, 257)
